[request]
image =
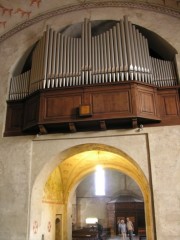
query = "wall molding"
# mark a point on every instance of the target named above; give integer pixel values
(82, 6)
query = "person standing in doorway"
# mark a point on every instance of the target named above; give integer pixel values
(99, 230)
(130, 228)
(119, 229)
(122, 229)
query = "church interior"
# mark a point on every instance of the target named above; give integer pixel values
(90, 119)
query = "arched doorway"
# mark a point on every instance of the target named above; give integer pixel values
(58, 227)
(72, 166)
(120, 198)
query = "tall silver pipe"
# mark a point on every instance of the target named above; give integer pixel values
(82, 52)
(57, 61)
(77, 61)
(74, 62)
(134, 62)
(93, 60)
(142, 60)
(61, 60)
(39, 64)
(111, 50)
(80, 60)
(49, 57)
(71, 62)
(98, 60)
(53, 62)
(128, 45)
(64, 60)
(166, 70)
(108, 56)
(68, 62)
(136, 52)
(46, 56)
(102, 57)
(86, 31)
(105, 57)
(116, 59)
(89, 50)
(42, 61)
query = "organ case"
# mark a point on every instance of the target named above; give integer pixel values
(112, 74)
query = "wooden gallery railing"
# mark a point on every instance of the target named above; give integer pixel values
(117, 55)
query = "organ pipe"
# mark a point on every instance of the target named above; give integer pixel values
(120, 53)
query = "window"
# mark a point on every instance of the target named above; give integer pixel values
(99, 181)
(91, 220)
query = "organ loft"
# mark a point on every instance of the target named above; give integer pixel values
(94, 82)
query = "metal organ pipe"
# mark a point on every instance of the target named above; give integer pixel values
(90, 51)
(102, 58)
(98, 59)
(121, 53)
(105, 57)
(116, 60)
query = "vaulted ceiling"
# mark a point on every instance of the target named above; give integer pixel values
(18, 14)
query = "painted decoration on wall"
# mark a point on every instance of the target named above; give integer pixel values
(49, 226)
(15, 12)
(35, 227)
(53, 188)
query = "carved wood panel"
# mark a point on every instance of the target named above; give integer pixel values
(113, 105)
(168, 106)
(111, 102)
(14, 119)
(61, 106)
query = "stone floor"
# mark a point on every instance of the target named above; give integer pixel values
(120, 238)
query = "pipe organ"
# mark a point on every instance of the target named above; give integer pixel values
(117, 55)
(109, 80)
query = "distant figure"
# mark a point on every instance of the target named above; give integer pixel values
(100, 230)
(130, 228)
(122, 229)
(119, 229)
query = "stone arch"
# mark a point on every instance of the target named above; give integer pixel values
(78, 161)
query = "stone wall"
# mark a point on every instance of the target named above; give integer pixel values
(27, 161)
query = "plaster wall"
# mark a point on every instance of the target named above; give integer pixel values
(24, 159)
(160, 146)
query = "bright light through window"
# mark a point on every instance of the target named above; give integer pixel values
(91, 220)
(99, 181)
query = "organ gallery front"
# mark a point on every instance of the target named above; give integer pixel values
(93, 82)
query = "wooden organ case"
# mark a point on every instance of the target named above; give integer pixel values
(93, 82)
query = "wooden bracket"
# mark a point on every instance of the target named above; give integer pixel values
(72, 127)
(103, 125)
(42, 129)
(134, 123)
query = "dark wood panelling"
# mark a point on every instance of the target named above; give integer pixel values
(31, 111)
(169, 105)
(61, 107)
(14, 119)
(111, 106)
(147, 102)
(122, 210)
(111, 102)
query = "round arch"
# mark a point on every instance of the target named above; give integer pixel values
(77, 162)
